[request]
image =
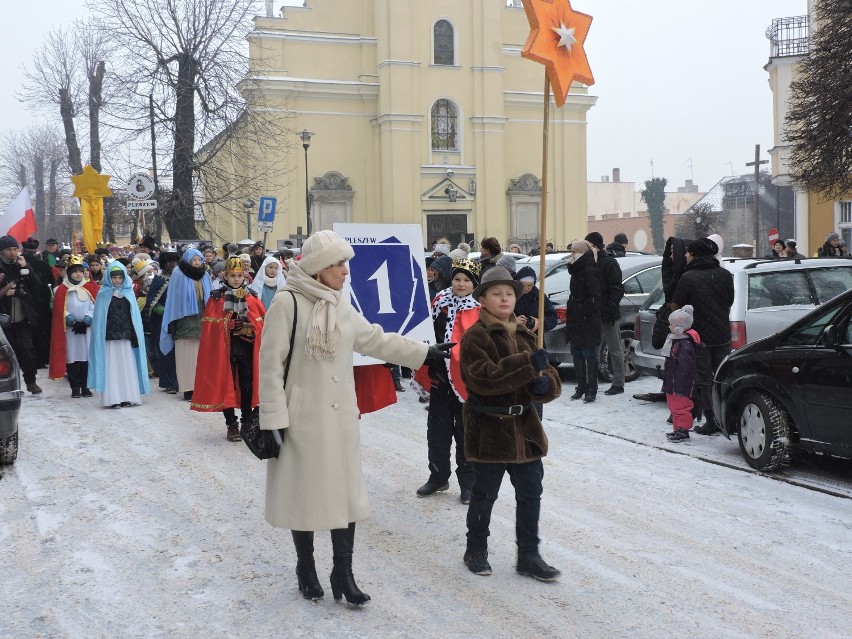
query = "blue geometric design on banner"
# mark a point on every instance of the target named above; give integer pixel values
(388, 285)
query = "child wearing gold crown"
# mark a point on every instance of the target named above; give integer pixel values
(227, 373)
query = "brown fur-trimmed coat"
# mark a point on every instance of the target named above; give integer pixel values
(496, 369)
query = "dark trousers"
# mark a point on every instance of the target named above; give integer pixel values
(20, 338)
(165, 366)
(707, 360)
(78, 373)
(527, 480)
(153, 353)
(242, 369)
(586, 367)
(443, 425)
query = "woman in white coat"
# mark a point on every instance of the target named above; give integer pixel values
(316, 481)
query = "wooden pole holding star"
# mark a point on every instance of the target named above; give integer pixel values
(557, 36)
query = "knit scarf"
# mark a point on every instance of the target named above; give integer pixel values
(679, 333)
(235, 300)
(82, 293)
(323, 337)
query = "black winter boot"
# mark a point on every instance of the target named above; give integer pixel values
(580, 374)
(342, 581)
(306, 571)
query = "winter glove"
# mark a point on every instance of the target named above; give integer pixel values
(70, 320)
(540, 385)
(440, 351)
(539, 359)
(79, 328)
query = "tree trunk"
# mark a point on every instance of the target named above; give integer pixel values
(23, 179)
(51, 196)
(66, 110)
(96, 83)
(109, 218)
(38, 186)
(180, 219)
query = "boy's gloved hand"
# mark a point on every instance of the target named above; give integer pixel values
(440, 351)
(540, 385)
(539, 359)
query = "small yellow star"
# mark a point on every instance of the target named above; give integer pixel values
(90, 183)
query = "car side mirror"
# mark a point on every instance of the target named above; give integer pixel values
(5, 320)
(829, 336)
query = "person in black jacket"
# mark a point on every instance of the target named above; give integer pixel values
(831, 247)
(612, 292)
(526, 306)
(42, 294)
(618, 247)
(583, 319)
(709, 289)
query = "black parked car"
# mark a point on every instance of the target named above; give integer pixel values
(792, 389)
(10, 398)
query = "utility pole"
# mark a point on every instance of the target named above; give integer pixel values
(158, 214)
(756, 164)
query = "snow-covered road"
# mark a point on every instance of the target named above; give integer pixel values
(146, 522)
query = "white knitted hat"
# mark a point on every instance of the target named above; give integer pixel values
(323, 249)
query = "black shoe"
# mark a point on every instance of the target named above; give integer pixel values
(397, 386)
(670, 420)
(590, 397)
(126, 404)
(430, 488)
(534, 566)
(578, 394)
(423, 400)
(34, 388)
(75, 393)
(188, 396)
(464, 497)
(708, 428)
(614, 390)
(678, 435)
(86, 393)
(477, 562)
(114, 406)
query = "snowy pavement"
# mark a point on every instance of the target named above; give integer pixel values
(146, 522)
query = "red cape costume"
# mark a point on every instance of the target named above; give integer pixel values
(58, 364)
(463, 321)
(215, 385)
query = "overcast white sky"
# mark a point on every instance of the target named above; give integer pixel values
(678, 81)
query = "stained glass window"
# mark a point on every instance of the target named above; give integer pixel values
(444, 43)
(444, 126)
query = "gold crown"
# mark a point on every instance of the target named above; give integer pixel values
(234, 264)
(75, 260)
(469, 265)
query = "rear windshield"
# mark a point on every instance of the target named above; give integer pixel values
(781, 288)
(831, 282)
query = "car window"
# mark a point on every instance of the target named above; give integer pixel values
(831, 282)
(809, 334)
(632, 286)
(784, 288)
(557, 280)
(649, 278)
(655, 300)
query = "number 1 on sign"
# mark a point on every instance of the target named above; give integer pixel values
(383, 288)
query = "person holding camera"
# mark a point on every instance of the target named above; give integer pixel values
(16, 282)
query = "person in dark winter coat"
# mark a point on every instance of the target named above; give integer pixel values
(504, 373)
(526, 307)
(709, 289)
(491, 252)
(583, 319)
(618, 247)
(612, 291)
(152, 323)
(831, 248)
(442, 267)
(777, 251)
(791, 250)
(42, 294)
(679, 378)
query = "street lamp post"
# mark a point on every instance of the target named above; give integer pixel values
(306, 142)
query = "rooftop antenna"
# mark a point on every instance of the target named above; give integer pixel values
(730, 164)
(652, 168)
(691, 172)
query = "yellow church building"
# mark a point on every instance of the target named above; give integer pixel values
(421, 113)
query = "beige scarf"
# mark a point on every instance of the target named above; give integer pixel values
(82, 293)
(323, 337)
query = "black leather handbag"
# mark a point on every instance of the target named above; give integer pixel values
(661, 327)
(266, 444)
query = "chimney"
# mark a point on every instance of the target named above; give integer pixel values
(616, 175)
(604, 178)
(269, 4)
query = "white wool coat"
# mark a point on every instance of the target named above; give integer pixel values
(316, 481)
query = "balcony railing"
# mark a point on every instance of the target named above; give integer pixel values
(789, 36)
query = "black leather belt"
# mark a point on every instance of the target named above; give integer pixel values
(515, 409)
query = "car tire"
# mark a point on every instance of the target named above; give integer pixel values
(763, 427)
(605, 365)
(8, 450)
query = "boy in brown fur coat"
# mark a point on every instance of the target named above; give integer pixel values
(504, 373)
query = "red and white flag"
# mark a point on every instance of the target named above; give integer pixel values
(18, 220)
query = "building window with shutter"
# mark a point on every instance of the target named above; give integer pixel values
(444, 43)
(444, 126)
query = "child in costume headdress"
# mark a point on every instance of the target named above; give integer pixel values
(227, 373)
(73, 309)
(268, 280)
(118, 367)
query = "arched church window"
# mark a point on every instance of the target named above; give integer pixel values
(444, 126)
(444, 44)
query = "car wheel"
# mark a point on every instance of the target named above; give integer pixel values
(605, 365)
(764, 432)
(8, 450)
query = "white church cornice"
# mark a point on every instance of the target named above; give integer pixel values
(278, 86)
(312, 36)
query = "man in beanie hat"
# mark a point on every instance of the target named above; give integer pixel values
(791, 250)
(679, 378)
(504, 373)
(316, 482)
(618, 246)
(612, 292)
(228, 355)
(831, 247)
(709, 289)
(453, 311)
(17, 283)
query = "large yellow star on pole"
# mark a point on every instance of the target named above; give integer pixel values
(557, 35)
(91, 187)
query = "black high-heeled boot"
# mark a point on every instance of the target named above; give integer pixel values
(342, 580)
(306, 571)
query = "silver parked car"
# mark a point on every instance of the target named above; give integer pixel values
(769, 295)
(10, 398)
